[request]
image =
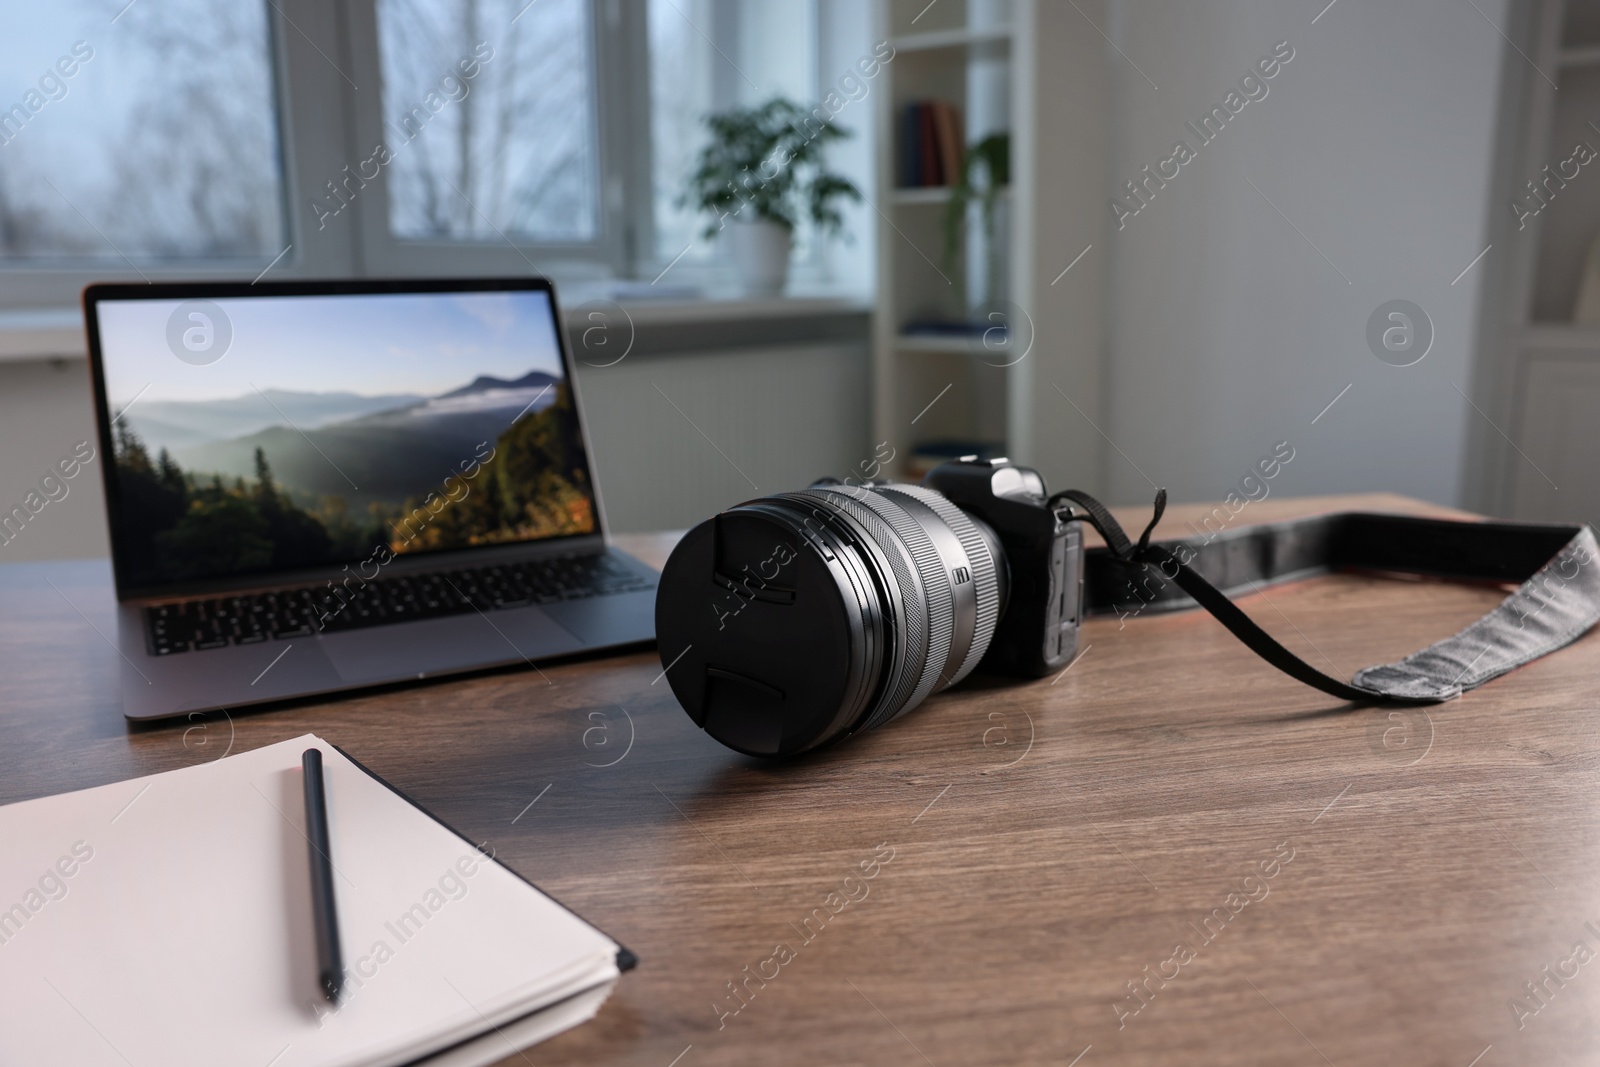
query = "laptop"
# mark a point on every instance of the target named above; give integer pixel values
(318, 486)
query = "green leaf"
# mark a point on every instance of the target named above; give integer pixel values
(765, 162)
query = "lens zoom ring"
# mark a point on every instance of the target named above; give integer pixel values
(912, 618)
(936, 590)
(926, 663)
(986, 585)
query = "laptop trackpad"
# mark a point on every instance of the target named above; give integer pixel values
(428, 646)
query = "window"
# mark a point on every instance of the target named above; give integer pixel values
(707, 56)
(489, 113)
(284, 138)
(139, 137)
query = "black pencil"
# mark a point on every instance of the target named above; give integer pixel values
(330, 963)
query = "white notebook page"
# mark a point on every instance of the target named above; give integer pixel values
(167, 921)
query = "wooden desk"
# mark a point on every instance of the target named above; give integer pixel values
(1049, 840)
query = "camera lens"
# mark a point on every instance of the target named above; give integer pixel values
(794, 620)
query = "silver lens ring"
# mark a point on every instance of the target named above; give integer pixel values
(983, 568)
(901, 603)
(874, 644)
(928, 647)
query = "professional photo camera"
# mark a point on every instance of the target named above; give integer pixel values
(794, 620)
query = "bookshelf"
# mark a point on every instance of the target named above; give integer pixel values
(1538, 374)
(942, 388)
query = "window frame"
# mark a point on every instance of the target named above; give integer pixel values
(382, 253)
(328, 95)
(307, 136)
(327, 91)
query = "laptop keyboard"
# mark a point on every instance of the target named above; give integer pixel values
(199, 625)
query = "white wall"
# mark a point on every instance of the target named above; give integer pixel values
(753, 421)
(1059, 184)
(46, 408)
(1228, 331)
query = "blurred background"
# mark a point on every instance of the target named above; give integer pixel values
(1135, 243)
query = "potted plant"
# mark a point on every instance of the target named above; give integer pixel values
(759, 175)
(990, 158)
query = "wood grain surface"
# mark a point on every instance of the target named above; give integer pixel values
(1169, 853)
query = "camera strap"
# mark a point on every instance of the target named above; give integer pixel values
(1554, 567)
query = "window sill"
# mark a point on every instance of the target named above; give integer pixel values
(684, 324)
(673, 323)
(50, 333)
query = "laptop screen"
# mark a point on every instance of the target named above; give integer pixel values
(277, 432)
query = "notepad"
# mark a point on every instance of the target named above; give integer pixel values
(167, 920)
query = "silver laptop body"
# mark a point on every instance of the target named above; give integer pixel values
(236, 504)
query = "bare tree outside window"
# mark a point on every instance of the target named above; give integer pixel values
(509, 151)
(149, 138)
(681, 96)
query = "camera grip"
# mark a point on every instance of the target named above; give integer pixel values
(1038, 633)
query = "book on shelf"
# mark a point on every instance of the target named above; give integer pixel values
(931, 147)
(947, 135)
(928, 155)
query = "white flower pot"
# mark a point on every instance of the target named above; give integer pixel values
(761, 254)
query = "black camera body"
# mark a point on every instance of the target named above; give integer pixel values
(838, 608)
(1038, 631)
(794, 620)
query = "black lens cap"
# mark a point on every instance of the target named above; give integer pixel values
(766, 631)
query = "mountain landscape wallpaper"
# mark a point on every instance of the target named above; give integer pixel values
(277, 475)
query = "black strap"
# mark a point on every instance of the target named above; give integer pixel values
(1557, 601)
